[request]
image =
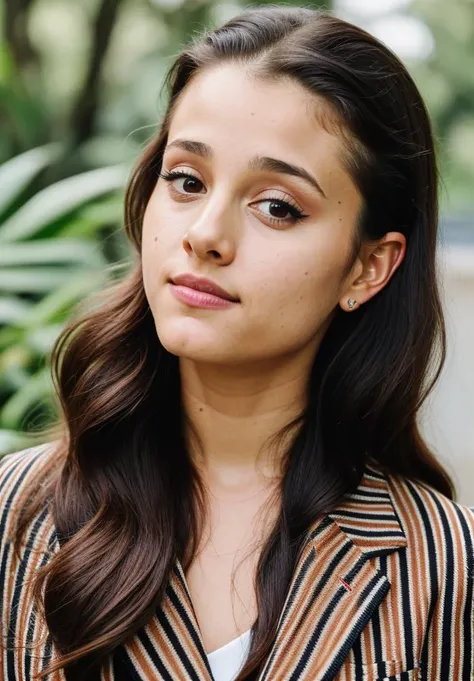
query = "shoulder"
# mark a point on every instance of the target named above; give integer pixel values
(15, 466)
(432, 507)
(436, 526)
(20, 472)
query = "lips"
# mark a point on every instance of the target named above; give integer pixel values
(203, 285)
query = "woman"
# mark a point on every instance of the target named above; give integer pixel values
(239, 488)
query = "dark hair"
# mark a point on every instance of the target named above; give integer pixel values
(127, 498)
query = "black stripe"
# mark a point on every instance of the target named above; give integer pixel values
(407, 611)
(366, 517)
(372, 533)
(124, 669)
(379, 551)
(433, 575)
(376, 628)
(468, 615)
(448, 589)
(384, 497)
(357, 651)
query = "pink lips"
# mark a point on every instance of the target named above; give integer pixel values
(200, 292)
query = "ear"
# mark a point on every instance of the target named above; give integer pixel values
(374, 267)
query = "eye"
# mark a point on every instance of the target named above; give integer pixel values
(282, 212)
(191, 184)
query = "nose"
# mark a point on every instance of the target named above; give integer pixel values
(212, 236)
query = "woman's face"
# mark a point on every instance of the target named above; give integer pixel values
(259, 204)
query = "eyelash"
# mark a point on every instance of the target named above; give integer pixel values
(295, 212)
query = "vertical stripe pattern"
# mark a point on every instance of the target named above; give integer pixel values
(383, 590)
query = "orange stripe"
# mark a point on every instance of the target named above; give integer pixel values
(419, 591)
(435, 652)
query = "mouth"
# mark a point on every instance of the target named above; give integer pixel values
(200, 292)
(204, 286)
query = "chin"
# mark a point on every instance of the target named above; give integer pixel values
(186, 338)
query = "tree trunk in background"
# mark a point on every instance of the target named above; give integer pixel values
(16, 33)
(87, 104)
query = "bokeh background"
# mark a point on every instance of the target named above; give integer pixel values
(80, 95)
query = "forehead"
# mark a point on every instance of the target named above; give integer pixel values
(239, 116)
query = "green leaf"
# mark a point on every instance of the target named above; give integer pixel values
(49, 251)
(12, 441)
(14, 363)
(42, 339)
(9, 335)
(17, 173)
(37, 389)
(61, 198)
(59, 302)
(36, 280)
(13, 309)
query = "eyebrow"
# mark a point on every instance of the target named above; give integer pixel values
(264, 163)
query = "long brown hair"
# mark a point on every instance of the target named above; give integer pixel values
(126, 498)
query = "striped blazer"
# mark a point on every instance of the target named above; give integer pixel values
(383, 590)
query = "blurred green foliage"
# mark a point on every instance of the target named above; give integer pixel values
(446, 80)
(51, 256)
(79, 97)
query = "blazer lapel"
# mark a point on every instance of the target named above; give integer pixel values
(336, 587)
(334, 592)
(171, 643)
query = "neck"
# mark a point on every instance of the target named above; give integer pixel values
(234, 413)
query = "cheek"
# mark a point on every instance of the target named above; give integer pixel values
(301, 286)
(160, 239)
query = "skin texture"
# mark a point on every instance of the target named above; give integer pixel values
(244, 368)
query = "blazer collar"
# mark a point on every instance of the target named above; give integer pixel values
(334, 592)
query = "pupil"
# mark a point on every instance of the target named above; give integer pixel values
(190, 184)
(281, 211)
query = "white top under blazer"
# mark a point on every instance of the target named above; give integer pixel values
(227, 661)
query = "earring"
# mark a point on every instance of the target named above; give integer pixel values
(351, 302)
